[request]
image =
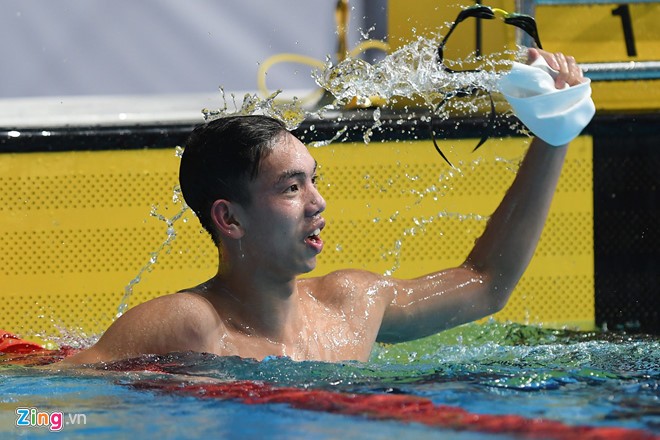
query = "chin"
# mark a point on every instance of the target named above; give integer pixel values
(308, 266)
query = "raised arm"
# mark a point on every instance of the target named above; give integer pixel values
(483, 283)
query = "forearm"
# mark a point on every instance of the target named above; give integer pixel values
(507, 245)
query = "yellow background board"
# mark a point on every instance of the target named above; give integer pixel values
(76, 228)
(591, 33)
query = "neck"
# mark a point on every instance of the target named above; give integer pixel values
(254, 303)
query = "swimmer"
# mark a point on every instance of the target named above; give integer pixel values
(253, 186)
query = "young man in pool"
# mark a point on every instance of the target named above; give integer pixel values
(253, 186)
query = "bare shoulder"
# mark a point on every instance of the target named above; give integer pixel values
(176, 322)
(179, 306)
(178, 310)
(348, 286)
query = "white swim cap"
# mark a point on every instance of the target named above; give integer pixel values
(556, 116)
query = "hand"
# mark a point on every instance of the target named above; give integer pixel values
(569, 71)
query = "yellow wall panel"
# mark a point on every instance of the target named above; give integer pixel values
(593, 34)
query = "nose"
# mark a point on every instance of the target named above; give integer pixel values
(317, 202)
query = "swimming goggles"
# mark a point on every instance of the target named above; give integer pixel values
(521, 21)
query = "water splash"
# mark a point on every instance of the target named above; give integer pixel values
(409, 73)
(153, 256)
(339, 134)
(292, 113)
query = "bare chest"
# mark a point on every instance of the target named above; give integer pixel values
(320, 333)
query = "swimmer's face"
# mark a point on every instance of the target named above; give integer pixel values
(283, 220)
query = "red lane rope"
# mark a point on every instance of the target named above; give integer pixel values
(403, 408)
(18, 351)
(10, 343)
(393, 407)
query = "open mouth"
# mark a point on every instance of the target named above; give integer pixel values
(314, 241)
(314, 236)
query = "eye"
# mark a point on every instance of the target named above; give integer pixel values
(292, 188)
(315, 180)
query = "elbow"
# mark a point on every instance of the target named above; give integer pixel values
(499, 293)
(497, 287)
(498, 300)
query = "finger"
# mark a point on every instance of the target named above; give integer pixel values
(564, 71)
(532, 55)
(551, 59)
(576, 75)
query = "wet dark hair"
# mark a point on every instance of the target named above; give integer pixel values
(221, 157)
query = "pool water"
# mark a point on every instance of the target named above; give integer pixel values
(592, 379)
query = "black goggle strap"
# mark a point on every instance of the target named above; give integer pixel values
(488, 127)
(521, 21)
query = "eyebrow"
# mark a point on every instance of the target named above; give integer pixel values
(295, 174)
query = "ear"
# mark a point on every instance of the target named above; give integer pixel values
(225, 218)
